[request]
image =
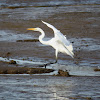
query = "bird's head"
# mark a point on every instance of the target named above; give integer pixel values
(34, 29)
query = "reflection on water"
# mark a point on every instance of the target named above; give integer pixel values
(49, 88)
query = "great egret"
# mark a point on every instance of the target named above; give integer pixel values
(58, 42)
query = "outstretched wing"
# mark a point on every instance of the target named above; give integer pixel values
(59, 36)
(50, 26)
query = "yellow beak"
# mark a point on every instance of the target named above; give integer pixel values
(31, 29)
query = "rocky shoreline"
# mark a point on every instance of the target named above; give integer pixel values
(24, 70)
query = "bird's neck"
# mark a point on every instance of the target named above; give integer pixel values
(41, 38)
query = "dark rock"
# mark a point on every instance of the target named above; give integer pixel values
(29, 40)
(8, 53)
(12, 62)
(96, 69)
(63, 73)
(24, 70)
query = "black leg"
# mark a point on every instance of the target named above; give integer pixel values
(56, 61)
(50, 63)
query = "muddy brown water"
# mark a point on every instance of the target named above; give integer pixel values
(77, 19)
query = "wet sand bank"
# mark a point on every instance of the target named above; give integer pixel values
(23, 70)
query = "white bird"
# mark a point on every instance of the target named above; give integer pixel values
(58, 42)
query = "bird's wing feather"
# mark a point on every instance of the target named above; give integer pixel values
(60, 36)
(50, 26)
(68, 48)
(63, 39)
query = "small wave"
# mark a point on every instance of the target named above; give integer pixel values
(77, 70)
(40, 3)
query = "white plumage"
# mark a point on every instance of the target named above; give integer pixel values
(59, 42)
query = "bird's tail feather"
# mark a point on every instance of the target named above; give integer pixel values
(69, 51)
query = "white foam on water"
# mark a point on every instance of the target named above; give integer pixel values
(21, 62)
(12, 37)
(76, 70)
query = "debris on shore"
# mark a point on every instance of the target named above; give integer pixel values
(24, 70)
(97, 69)
(28, 40)
(12, 62)
(63, 73)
